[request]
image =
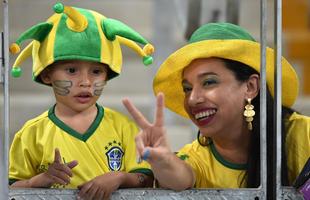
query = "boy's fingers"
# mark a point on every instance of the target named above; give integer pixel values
(57, 158)
(136, 114)
(59, 180)
(159, 116)
(72, 164)
(63, 174)
(84, 189)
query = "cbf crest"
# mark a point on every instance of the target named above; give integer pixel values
(115, 156)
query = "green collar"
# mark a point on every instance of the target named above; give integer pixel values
(70, 131)
(224, 162)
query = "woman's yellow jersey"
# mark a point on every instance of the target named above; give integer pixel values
(213, 171)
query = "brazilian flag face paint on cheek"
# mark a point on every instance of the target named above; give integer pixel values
(62, 87)
(98, 87)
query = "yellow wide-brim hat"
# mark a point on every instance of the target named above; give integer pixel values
(221, 40)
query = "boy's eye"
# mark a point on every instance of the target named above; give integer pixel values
(98, 71)
(71, 70)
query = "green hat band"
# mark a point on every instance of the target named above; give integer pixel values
(220, 40)
(220, 31)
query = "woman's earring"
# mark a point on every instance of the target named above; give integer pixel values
(203, 140)
(249, 113)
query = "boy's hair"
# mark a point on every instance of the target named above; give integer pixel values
(78, 34)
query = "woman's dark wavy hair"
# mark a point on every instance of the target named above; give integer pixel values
(242, 73)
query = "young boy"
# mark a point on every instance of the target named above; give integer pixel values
(78, 143)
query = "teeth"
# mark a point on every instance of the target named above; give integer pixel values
(204, 114)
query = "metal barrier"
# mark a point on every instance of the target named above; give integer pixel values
(4, 190)
(232, 194)
(155, 194)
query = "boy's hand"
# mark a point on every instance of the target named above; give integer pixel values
(151, 142)
(59, 172)
(100, 187)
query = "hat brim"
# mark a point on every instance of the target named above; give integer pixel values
(169, 76)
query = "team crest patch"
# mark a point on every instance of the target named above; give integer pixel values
(114, 156)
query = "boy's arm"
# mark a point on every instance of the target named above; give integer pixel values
(103, 186)
(38, 181)
(129, 180)
(57, 173)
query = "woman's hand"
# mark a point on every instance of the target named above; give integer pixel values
(152, 145)
(151, 142)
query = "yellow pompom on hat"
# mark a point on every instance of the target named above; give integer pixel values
(78, 34)
(221, 40)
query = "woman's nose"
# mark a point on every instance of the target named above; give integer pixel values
(196, 97)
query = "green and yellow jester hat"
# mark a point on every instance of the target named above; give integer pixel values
(79, 34)
(221, 40)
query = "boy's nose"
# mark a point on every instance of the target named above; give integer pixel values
(85, 80)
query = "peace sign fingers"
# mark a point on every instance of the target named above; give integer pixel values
(136, 114)
(159, 115)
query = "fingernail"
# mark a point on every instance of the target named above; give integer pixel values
(146, 155)
(139, 160)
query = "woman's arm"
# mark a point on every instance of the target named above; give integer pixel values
(152, 145)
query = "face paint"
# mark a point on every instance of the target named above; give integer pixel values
(62, 87)
(98, 87)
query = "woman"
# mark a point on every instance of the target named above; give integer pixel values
(216, 84)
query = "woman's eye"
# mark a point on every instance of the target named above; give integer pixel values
(186, 89)
(209, 82)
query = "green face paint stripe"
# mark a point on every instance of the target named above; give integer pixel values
(98, 87)
(62, 87)
(77, 47)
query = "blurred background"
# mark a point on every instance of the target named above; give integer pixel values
(167, 25)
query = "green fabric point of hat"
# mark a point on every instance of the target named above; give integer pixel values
(58, 8)
(112, 27)
(16, 72)
(77, 45)
(147, 60)
(220, 31)
(37, 32)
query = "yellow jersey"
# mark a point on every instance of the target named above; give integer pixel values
(108, 145)
(213, 171)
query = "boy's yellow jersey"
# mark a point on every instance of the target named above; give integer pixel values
(108, 145)
(213, 171)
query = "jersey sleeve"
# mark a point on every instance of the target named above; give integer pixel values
(297, 144)
(22, 163)
(188, 155)
(130, 156)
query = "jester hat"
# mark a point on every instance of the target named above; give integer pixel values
(78, 34)
(221, 40)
